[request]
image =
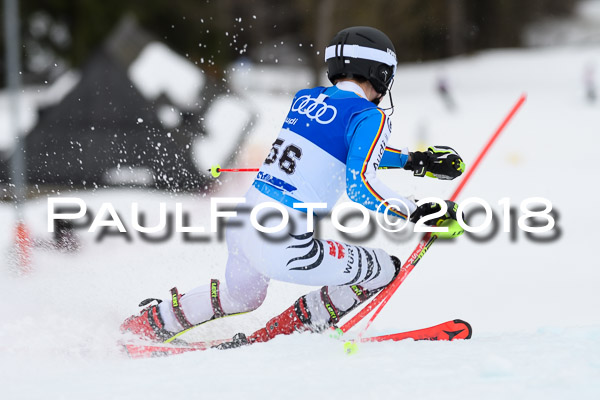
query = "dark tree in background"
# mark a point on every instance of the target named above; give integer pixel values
(59, 34)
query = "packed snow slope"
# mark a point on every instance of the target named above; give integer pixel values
(534, 306)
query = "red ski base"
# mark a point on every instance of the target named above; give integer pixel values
(450, 330)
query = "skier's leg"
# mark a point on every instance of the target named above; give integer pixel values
(308, 261)
(350, 274)
(317, 310)
(296, 256)
(243, 290)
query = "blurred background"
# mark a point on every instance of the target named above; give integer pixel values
(130, 92)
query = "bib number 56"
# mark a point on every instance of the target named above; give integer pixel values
(287, 157)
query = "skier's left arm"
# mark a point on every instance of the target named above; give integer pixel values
(367, 137)
(394, 158)
(440, 162)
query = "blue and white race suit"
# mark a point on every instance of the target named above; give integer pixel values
(332, 142)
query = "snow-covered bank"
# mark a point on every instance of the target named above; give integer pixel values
(548, 364)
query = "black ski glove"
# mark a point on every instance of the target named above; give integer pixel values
(440, 162)
(430, 208)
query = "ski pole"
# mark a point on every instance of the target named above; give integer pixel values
(216, 170)
(427, 239)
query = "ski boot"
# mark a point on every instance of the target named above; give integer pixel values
(150, 325)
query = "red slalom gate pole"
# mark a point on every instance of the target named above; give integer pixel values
(427, 239)
(23, 248)
(483, 152)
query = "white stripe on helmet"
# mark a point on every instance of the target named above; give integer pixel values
(367, 53)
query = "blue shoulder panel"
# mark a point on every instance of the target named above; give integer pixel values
(322, 115)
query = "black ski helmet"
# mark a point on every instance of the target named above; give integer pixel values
(362, 51)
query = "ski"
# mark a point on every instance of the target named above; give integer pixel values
(449, 330)
(135, 350)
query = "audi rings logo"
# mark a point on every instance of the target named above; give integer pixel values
(314, 109)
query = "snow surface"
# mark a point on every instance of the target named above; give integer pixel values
(534, 307)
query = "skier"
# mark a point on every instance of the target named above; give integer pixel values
(333, 141)
(443, 90)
